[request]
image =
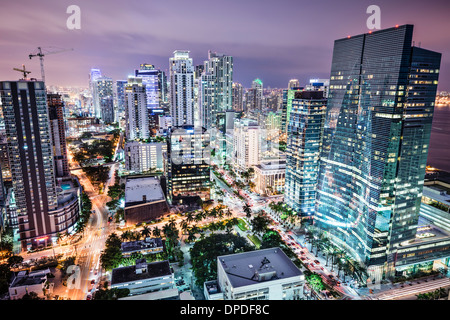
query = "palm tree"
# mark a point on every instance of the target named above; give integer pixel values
(228, 213)
(190, 217)
(156, 232)
(248, 210)
(184, 225)
(125, 236)
(145, 232)
(172, 222)
(191, 235)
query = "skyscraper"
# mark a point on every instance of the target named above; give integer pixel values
(254, 96)
(238, 97)
(376, 137)
(136, 111)
(120, 95)
(189, 164)
(246, 144)
(150, 77)
(102, 92)
(286, 106)
(181, 88)
(293, 83)
(37, 212)
(304, 142)
(58, 132)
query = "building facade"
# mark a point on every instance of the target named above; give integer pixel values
(246, 144)
(143, 157)
(181, 88)
(188, 163)
(375, 146)
(304, 143)
(136, 111)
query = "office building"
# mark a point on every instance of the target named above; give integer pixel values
(181, 88)
(304, 143)
(136, 111)
(376, 137)
(266, 274)
(188, 164)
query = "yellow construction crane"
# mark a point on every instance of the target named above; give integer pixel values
(23, 70)
(41, 53)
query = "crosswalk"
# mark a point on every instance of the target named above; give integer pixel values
(423, 287)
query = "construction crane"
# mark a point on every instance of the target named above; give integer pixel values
(41, 54)
(23, 70)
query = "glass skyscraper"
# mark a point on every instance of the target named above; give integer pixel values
(376, 136)
(304, 143)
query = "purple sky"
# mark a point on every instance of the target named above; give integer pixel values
(272, 40)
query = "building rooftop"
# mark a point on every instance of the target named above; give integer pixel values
(272, 165)
(133, 246)
(427, 232)
(140, 271)
(437, 192)
(23, 278)
(143, 190)
(252, 267)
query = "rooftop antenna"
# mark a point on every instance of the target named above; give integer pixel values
(23, 70)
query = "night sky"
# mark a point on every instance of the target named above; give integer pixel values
(271, 40)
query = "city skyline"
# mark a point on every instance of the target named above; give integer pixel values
(297, 43)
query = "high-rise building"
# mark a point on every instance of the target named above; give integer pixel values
(286, 106)
(246, 144)
(254, 96)
(107, 113)
(238, 97)
(304, 142)
(143, 157)
(120, 94)
(181, 88)
(136, 111)
(376, 137)
(150, 79)
(58, 132)
(188, 163)
(318, 84)
(293, 83)
(102, 90)
(38, 213)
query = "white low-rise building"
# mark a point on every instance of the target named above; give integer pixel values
(266, 274)
(144, 278)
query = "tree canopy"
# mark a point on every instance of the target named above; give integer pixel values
(204, 254)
